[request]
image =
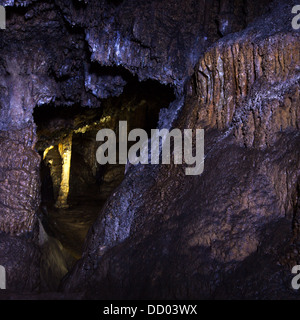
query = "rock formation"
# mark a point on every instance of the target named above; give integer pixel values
(70, 68)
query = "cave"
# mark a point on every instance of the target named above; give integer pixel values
(73, 228)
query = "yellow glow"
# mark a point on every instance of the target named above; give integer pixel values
(46, 152)
(87, 127)
(83, 129)
(65, 150)
(105, 119)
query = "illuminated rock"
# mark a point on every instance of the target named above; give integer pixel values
(65, 150)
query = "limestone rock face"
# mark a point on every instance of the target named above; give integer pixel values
(155, 39)
(21, 260)
(250, 82)
(233, 231)
(30, 52)
(43, 62)
(20, 182)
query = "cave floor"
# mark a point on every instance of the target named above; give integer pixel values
(70, 226)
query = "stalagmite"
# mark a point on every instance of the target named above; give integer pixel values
(65, 150)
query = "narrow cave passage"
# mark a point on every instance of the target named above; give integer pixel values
(74, 185)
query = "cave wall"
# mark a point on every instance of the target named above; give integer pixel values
(162, 234)
(154, 39)
(20, 182)
(32, 59)
(231, 232)
(47, 53)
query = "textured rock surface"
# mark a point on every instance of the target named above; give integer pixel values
(29, 54)
(45, 58)
(230, 232)
(20, 182)
(21, 259)
(154, 39)
(238, 79)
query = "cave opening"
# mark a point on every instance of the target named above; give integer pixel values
(74, 186)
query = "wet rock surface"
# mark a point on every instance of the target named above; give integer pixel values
(232, 232)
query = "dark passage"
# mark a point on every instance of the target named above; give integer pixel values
(74, 185)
